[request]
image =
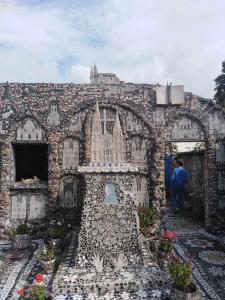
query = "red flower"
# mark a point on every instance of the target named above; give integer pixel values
(165, 235)
(39, 278)
(173, 234)
(21, 292)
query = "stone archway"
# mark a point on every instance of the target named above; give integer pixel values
(187, 127)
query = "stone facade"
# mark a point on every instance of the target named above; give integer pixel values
(133, 126)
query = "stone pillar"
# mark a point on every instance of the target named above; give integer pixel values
(211, 191)
(157, 173)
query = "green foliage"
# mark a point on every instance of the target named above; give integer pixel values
(21, 229)
(40, 292)
(220, 87)
(181, 272)
(59, 231)
(47, 253)
(146, 216)
(166, 246)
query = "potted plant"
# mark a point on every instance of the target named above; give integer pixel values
(46, 256)
(34, 292)
(167, 243)
(20, 237)
(181, 274)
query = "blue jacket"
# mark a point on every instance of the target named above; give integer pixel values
(179, 178)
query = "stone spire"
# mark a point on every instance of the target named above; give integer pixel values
(96, 136)
(93, 74)
(118, 142)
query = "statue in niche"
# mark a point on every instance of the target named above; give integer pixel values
(110, 194)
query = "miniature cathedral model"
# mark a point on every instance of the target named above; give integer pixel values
(106, 147)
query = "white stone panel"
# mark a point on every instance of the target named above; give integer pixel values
(158, 117)
(177, 94)
(70, 154)
(37, 207)
(54, 116)
(18, 205)
(161, 95)
(186, 130)
(29, 132)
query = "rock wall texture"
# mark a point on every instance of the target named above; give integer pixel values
(61, 116)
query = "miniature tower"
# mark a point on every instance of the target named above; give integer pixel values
(118, 143)
(93, 74)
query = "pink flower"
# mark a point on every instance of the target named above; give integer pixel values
(173, 234)
(39, 278)
(21, 292)
(165, 235)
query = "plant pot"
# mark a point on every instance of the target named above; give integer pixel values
(47, 266)
(177, 294)
(21, 241)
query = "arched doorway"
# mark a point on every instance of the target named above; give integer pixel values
(187, 142)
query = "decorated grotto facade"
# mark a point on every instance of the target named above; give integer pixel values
(55, 132)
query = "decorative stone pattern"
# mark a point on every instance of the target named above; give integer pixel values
(29, 131)
(51, 113)
(68, 192)
(71, 155)
(109, 225)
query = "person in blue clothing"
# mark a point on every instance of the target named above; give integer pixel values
(178, 181)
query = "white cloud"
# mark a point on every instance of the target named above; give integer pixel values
(140, 40)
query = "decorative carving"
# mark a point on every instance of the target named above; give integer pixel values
(37, 206)
(142, 191)
(68, 193)
(30, 131)
(70, 154)
(18, 205)
(187, 130)
(53, 116)
(158, 117)
(220, 153)
(105, 146)
(133, 123)
(139, 153)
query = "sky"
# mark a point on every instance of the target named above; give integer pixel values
(144, 41)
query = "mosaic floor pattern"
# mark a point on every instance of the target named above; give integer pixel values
(208, 254)
(207, 251)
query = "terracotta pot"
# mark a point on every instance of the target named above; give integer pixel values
(177, 294)
(21, 241)
(48, 266)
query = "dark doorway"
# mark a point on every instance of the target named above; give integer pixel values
(31, 160)
(192, 154)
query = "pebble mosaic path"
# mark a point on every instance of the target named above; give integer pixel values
(207, 252)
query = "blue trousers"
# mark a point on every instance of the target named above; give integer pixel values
(177, 198)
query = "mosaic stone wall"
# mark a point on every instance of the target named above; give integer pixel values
(52, 113)
(109, 218)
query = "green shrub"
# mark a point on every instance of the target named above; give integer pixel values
(146, 216)
(181, 272)
(21, 229)
(40, 292)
